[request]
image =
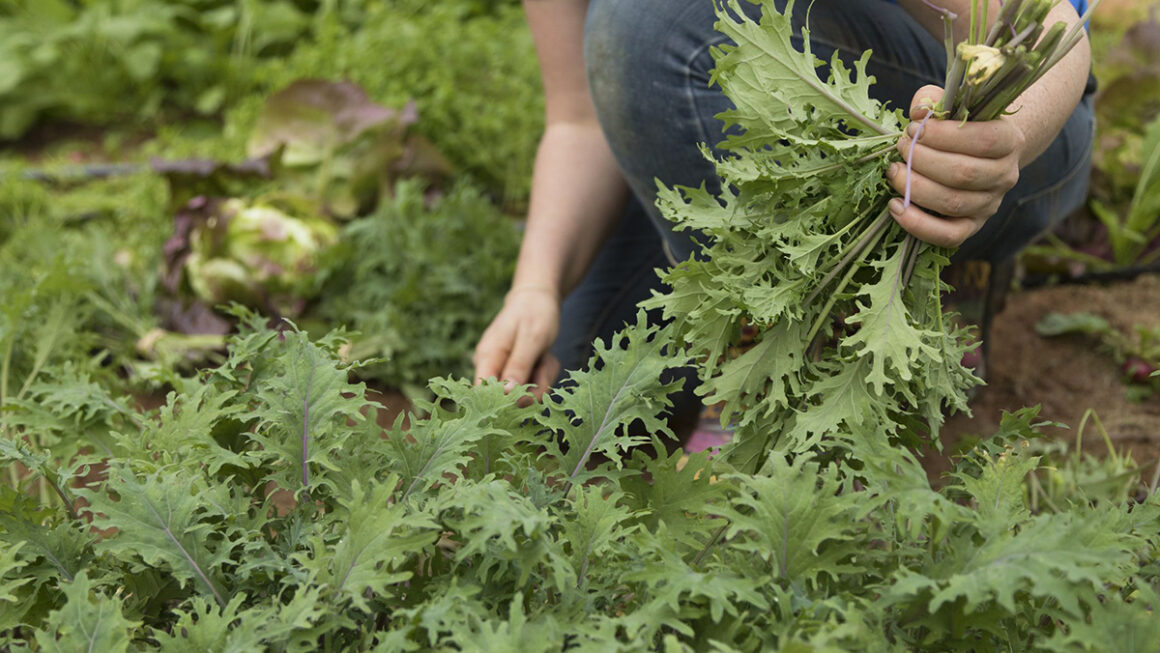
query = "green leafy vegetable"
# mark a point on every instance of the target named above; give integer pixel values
(263, 254)
(405, 540)
(87, 622)
(330, 137)
(262, 505)
(803, 248)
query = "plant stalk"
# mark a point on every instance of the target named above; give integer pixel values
(824, 314)
(867, 237)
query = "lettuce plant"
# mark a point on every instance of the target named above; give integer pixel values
(265, 253)
(330, 137)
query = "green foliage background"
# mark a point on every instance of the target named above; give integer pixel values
(468, 64)
(419, 283)
(479, 103)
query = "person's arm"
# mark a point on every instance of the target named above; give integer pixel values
(963, 170)
(577, 195)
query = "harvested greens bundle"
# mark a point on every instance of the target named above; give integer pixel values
(852, 332)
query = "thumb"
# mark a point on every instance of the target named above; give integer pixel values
(924, 100)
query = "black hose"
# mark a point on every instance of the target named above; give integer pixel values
(72, 173)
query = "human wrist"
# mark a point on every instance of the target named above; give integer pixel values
(534, 288)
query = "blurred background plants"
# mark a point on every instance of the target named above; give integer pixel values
(90, 90)
(182, 69)
(1121, 227)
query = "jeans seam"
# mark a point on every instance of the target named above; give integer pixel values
(691, 95)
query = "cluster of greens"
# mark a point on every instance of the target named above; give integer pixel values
(417, 277)
(1127, 107)
(418, 280)
(263, 506)
(268, 504)
(848, 306)
(1133, 227)
(476, 97)
(996, 64)
(1125, 196)
(255, 233)
(79, 276)
(473, 77)
(331, 138)
(258, 253)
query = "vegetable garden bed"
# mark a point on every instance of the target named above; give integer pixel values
(269, 500)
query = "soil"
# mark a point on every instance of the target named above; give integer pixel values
(1066, 375)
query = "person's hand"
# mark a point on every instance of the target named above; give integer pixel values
(514, 348)
(960, 170)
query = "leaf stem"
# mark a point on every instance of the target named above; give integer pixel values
(982, 33)
(5, 368)
(54, 481)
(974, 26)
(954, 80)
(824, 315)
(1021, 36)
(1003, 23)
(710, 544)
(1155, 480)
(916, 249)
(1073, 37)
(867, 236)
(201, 574)
(306, 430)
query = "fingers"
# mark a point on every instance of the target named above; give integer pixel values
(528, 348)
(492, 351)
(514, 348)
(992, 139)
(495, 358)
(943, 232)
(956, 170)
(942, 198)
(545, 375)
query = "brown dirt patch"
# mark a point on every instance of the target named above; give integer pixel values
(1066, 375)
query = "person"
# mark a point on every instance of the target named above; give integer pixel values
(628, 101)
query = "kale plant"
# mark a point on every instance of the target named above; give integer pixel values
(848, 306)
(264, 507)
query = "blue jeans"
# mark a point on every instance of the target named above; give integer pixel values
(648, 64)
